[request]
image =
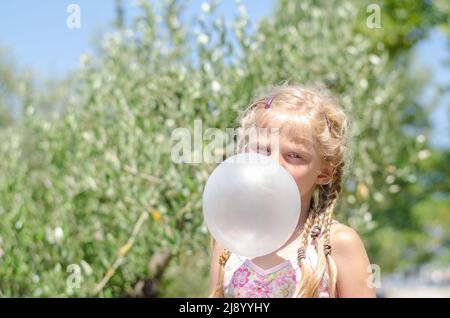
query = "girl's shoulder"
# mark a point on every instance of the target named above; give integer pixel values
(344, 238)
(341, 231)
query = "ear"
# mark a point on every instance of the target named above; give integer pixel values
(326, 174)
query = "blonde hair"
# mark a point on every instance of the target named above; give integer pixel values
(329, 125)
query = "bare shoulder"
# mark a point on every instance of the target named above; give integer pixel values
(345, 239)
(218, 248)
(216, 251)
(352, 262)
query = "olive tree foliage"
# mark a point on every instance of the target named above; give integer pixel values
(92, 204)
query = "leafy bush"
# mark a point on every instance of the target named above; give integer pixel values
(95, 191)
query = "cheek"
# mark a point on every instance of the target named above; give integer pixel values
(304, 176)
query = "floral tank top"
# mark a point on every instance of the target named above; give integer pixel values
(245, 279)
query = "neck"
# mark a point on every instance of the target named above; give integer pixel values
(301, 222)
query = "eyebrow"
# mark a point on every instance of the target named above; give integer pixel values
(299, 141)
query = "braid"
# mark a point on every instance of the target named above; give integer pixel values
(304, 237)
(224, 258)
(218, 291)
(320, 207)
(301, 253)
(320, 220)
(315, 230)
(331, 201)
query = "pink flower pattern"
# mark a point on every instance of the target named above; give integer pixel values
(240, 277)
(248, 283)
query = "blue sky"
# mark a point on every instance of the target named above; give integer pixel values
(432, 54)
(36, 32)
(37, 36)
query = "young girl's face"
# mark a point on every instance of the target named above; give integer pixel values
(297, 153)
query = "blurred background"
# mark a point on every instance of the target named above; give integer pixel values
(91, 204)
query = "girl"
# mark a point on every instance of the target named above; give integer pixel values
(323, 258)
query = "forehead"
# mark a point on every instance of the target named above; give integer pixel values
(296, 132)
